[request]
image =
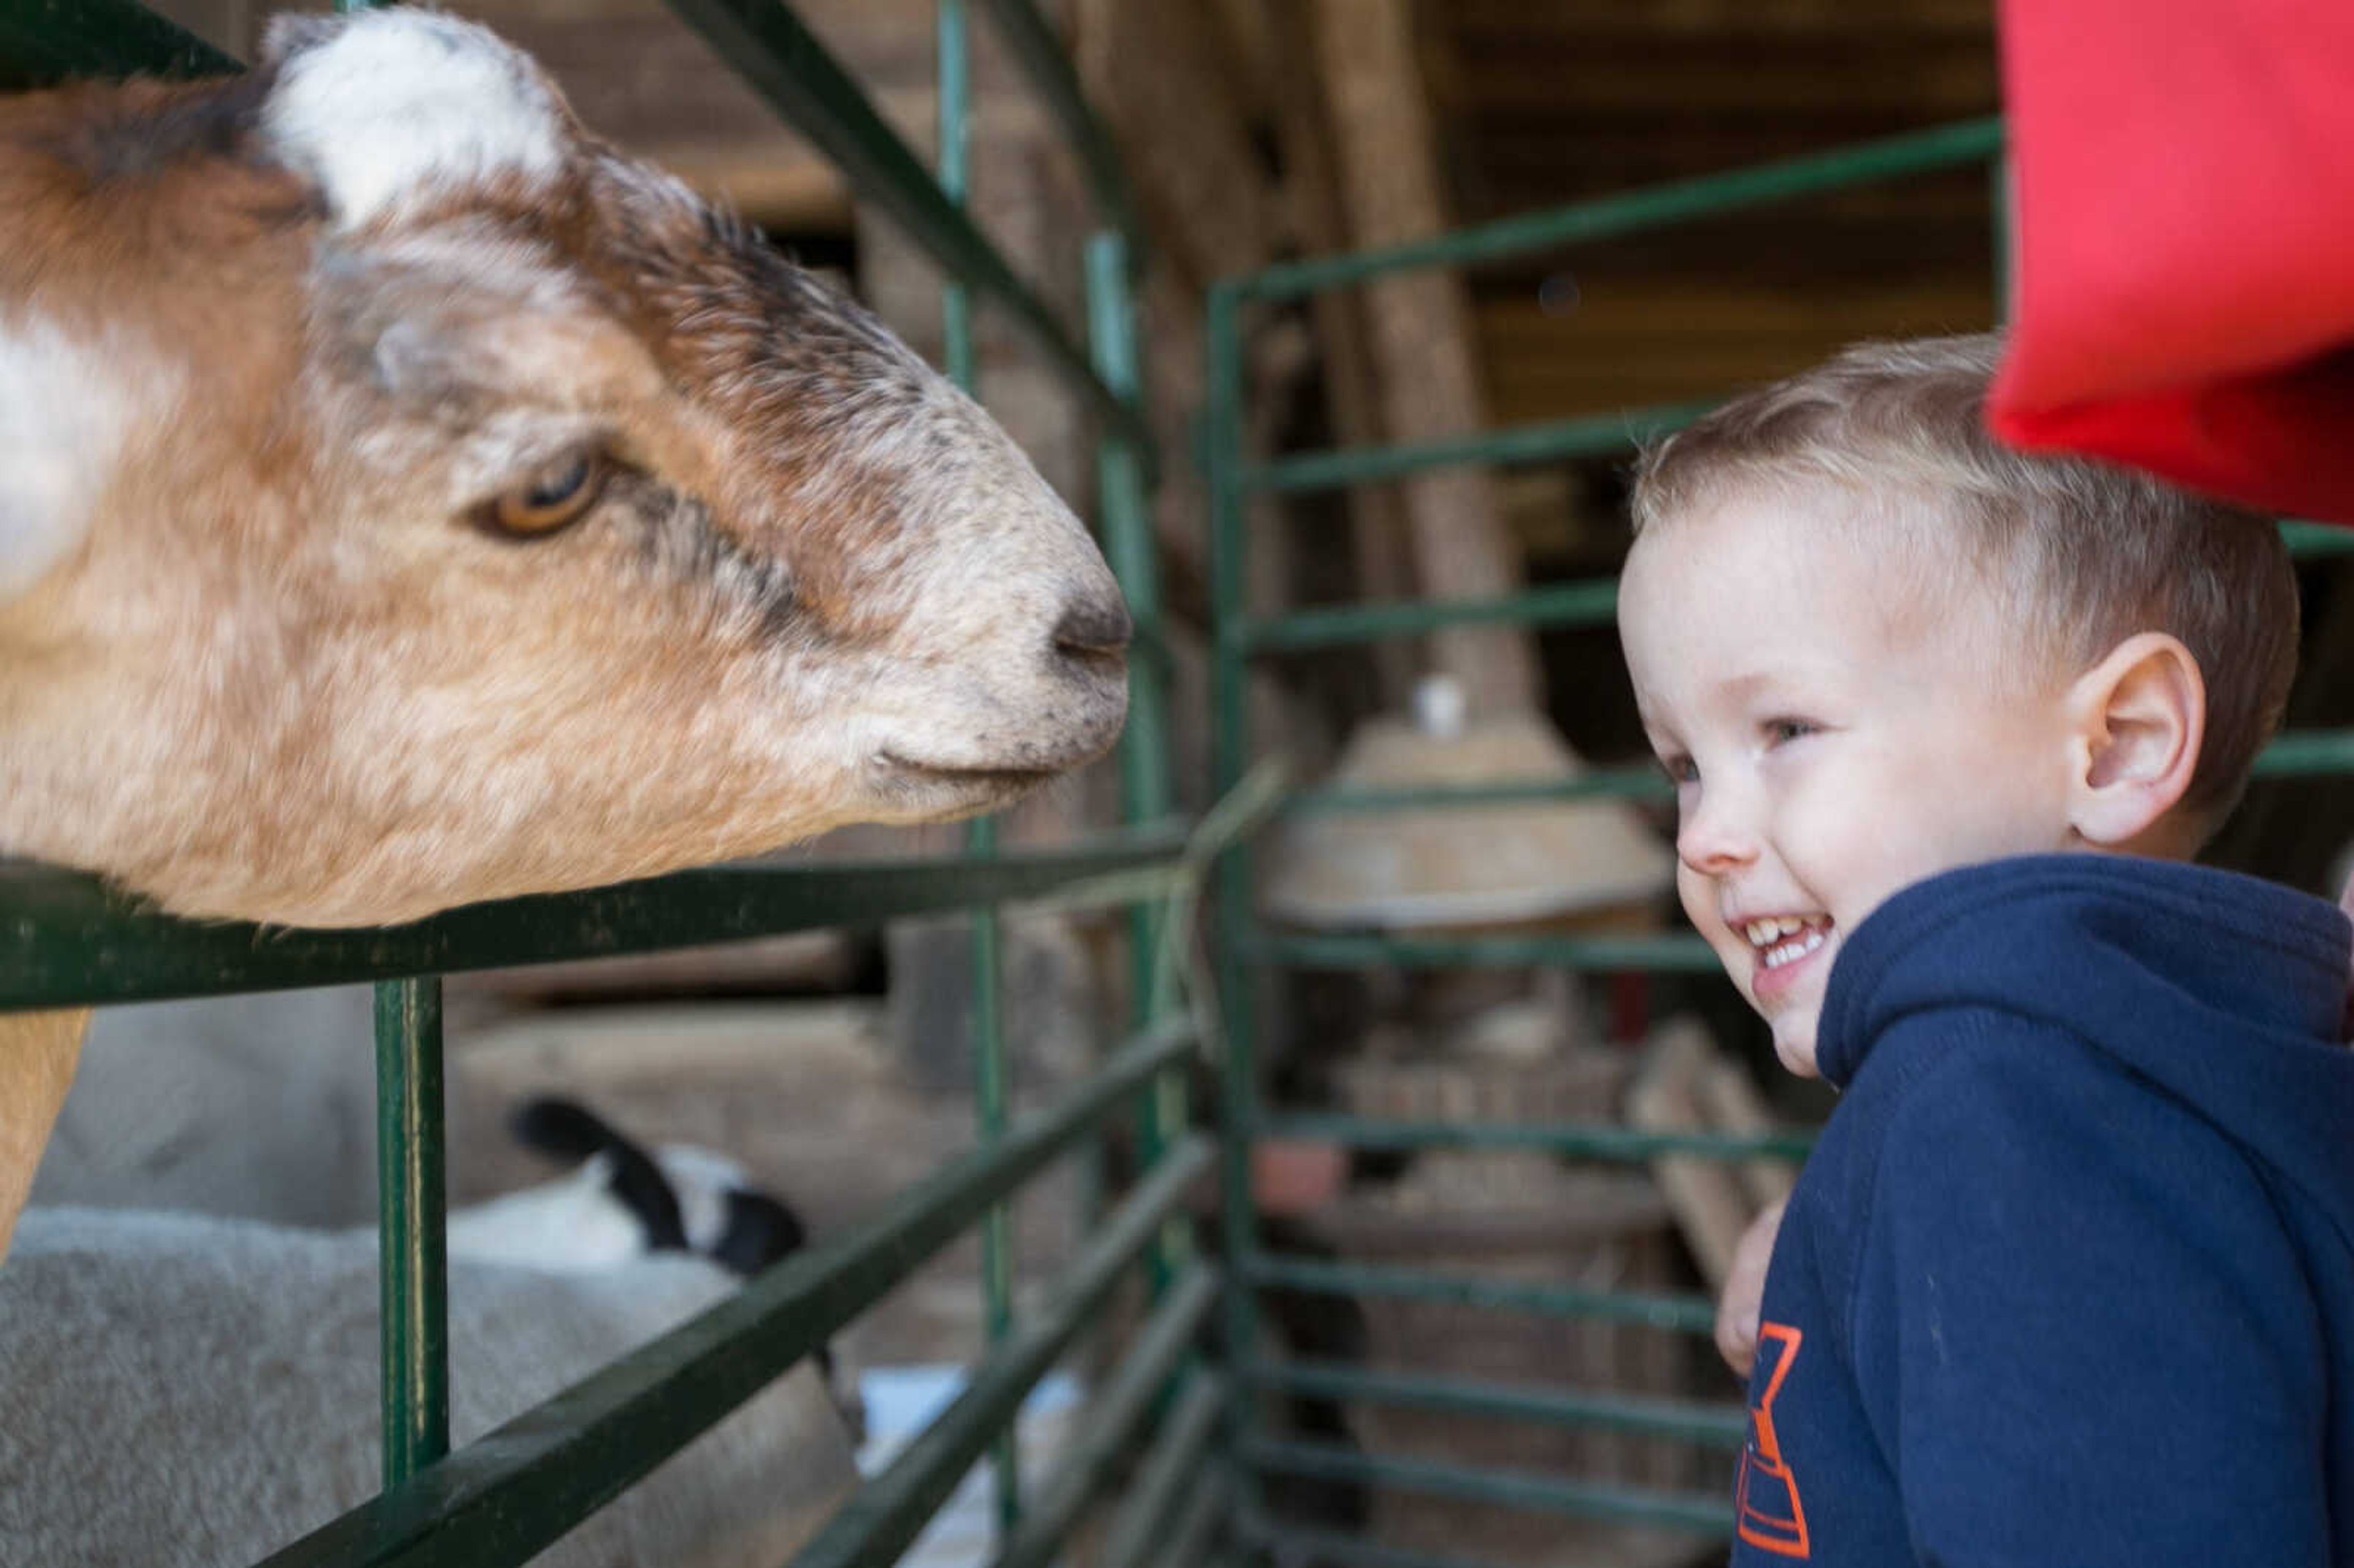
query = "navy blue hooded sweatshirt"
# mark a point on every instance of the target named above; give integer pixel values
(2069, 1278)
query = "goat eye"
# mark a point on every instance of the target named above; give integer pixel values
(555, 496)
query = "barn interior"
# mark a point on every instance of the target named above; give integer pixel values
(838, 1066)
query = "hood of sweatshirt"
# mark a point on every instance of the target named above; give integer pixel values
(2224, 991)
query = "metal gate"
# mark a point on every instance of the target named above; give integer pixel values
(1246, 950)
(67, 941)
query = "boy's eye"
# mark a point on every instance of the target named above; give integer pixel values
(1679, 770)
(1780, 730)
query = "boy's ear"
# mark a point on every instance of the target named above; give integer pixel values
(2137, 721)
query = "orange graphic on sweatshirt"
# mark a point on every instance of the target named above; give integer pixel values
(1770, 1517)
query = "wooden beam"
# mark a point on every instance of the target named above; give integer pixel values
(1711, 1206)
(1422, 335)
(1352, 391)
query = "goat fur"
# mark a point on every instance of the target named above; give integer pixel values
(176, 1390)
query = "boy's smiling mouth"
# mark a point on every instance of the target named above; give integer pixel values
(1782, 943)
(1785, 938)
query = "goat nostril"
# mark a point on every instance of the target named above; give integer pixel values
(1093, 626)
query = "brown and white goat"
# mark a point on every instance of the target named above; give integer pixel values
(406, 500)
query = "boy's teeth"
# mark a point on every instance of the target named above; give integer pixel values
(1777, 957)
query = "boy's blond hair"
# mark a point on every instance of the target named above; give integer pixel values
(2083, 553)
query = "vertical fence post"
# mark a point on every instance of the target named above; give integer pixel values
(1144, 773)
(412, 1256)
(1230, 740)
(989, 1088)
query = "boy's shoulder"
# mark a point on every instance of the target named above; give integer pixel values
(2146, 960)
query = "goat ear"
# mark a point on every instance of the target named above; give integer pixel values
(383, 108)
(64, 412)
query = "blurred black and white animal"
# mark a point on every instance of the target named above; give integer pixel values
(179, 1389)
(406, 500)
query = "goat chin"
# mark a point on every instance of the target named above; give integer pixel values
(128, 1336)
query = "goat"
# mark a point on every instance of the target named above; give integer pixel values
(406, 500)
(234, 1364)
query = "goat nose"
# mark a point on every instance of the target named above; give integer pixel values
(1093, 624)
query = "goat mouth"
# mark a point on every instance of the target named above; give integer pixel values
(983, 777)
(946, 790)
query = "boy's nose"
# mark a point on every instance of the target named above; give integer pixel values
(1711, 841)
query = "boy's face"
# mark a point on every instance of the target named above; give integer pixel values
(1829, 705)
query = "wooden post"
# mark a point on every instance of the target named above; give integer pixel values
(1422, 337)
(1352, 391)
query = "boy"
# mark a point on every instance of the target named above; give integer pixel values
(2068, 1279)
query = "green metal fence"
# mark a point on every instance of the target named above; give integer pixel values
(1245, 950)
(65, 940)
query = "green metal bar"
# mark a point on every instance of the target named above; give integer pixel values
(1680, 1314)
(1146, 793)
(770, 49)
(1047, 64)
(1715, 1426)
(1229, 744)
(2317, 540)
(2302, 753)
(876, 1524)
(1659, 206)
(1173, 1461)
(497, 1501)
(989, 1092)
(414, 1275)
(989, 1095)
(2297, 754)
(1514, 1489)
(1610, 783)
(1196, 1524)
(1592, 436)
(2001, 202)
(1130, 547)
(1300, 1544)
(43, 42)
(1569, 604)
(65, 940)
(1111, 1424)
(1598, 1141)
(955, 163)
(1632, 955)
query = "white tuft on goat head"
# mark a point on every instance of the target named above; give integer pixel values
(409, 500)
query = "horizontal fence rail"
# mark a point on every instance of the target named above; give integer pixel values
(1959, 145)
(1203, 1514)
(1597, 435)
(1653, 1310)
(43, 42)
(885, 1515)
(1643, 954)
(1514, 1489)
(67, 940)
(1033, 46)
(1595, 1141)
(1711, 1426)
(501, 1498)
(1173, 1462)
(776, 54)
(1119, 1413)
(1305, 1543)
